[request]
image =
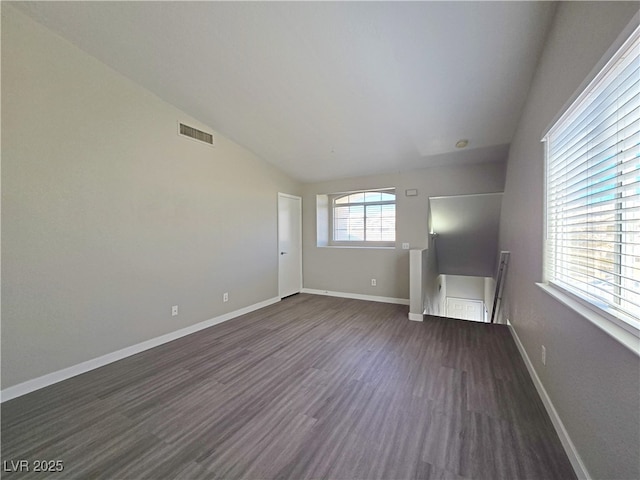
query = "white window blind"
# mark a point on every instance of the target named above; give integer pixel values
(593, 192)
(365, 217)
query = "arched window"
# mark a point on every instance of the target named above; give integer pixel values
(364, 217)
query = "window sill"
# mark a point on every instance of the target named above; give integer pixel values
(357, 247)
(626, 338)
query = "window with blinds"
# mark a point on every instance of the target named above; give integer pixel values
(593, 192)
(364, 218)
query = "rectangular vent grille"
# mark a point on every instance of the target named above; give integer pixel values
(196, 134)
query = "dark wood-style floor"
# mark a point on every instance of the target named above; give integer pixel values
(311, 387)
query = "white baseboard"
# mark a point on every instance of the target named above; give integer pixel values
(570, 449)
(416, 317)
(357, 296)
(60, 375)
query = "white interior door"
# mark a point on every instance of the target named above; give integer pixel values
(289, 244)
(465, 309)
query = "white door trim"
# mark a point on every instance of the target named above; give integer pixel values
(295, 197)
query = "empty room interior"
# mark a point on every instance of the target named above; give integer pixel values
(343, 240)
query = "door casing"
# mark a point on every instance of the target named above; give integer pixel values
(289, 244)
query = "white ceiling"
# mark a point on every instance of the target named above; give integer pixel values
(327, 90)
(468, 230)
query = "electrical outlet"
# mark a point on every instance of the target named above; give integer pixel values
(373, 282)
(544, 355)
(174, 311)
(405, 246)
(225, 297)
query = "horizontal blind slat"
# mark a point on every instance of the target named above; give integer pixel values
(610, 113)
(625, 70)
(598, 151)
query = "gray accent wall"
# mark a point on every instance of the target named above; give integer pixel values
(350, 270)
(591, 379)
(109, 217)
(468, 228)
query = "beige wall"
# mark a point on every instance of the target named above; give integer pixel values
(350, 270)
(592, 380)
(109, 218)
(462, 286)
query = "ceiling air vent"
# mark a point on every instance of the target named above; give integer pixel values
(195, 134)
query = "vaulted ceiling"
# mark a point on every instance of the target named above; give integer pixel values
(327, 89)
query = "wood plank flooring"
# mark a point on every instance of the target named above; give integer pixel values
(311, 387)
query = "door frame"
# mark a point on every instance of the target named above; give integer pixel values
(295, 197)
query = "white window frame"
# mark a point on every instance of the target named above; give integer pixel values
(604, 315)
(361, 243)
